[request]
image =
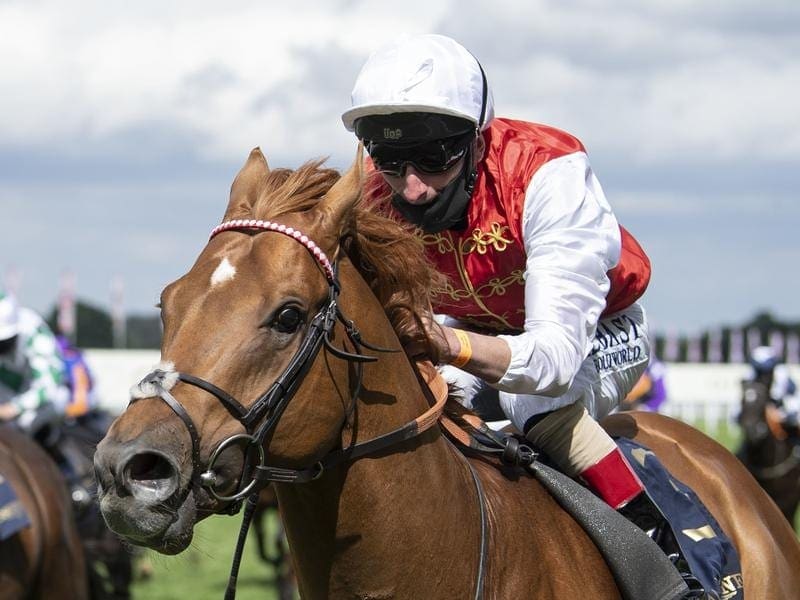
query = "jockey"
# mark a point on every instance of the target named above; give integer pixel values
(766, 368)
(32, 392)
(541, 303)
(78, 379)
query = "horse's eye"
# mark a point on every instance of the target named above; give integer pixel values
(288, 319)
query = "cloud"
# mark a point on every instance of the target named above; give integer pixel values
(655, 82)
(223, 73)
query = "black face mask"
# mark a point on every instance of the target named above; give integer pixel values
(449, 209)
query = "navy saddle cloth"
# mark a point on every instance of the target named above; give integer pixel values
(12, 514)
(709, 552)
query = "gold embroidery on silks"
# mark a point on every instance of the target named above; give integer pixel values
(498, 287)
(443, 244)
(479, 242)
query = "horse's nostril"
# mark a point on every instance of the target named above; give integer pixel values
(148, 466)
(150, 477)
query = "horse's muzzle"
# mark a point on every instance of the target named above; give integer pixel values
(143, 496)
(147, 474)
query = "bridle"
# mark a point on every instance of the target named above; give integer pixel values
(263, 415)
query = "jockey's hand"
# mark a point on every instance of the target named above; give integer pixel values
(490, 356)
(429, 341)
(8, 411)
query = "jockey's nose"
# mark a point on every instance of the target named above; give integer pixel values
(415, 190)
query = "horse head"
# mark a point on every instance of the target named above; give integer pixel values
(261, 368)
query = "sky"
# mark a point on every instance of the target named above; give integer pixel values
(122, 126)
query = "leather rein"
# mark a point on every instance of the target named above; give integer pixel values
(261, 418)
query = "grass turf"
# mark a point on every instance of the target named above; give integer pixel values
(202, 570)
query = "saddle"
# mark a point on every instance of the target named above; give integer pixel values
(639, 566)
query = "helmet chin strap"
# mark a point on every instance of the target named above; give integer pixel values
(449, 209)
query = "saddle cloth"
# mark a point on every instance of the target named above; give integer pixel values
(13, 517)
(711, 556)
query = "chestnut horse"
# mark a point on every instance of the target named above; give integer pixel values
(44, 559)
(298, 254)
(768, 452)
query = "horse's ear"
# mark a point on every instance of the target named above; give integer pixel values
(343, 196)
(245, 188)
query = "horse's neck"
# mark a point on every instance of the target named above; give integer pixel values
(383, 509)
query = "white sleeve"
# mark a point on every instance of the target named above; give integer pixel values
(571, 240)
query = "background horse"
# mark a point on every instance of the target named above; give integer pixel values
(109, 560)
(45, 559)
(247, 318)
(767, 451)
(271, 542)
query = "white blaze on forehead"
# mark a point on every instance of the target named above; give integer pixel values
(224, 272)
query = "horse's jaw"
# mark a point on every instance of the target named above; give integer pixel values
(156, 526)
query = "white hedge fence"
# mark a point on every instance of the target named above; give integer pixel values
(695, 391)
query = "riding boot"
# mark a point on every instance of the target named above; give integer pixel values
(615, 481)
(642, 512)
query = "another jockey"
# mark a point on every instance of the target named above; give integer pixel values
(766, 368)
(78, 379)
(49, 395)
(32, 390)
(650, 392)
(543, 282)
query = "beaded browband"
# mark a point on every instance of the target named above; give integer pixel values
(299, 236)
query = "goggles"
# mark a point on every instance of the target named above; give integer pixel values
(431, 157)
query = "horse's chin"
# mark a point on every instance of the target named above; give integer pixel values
(165, 531)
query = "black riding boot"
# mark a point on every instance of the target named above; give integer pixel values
(644, 514)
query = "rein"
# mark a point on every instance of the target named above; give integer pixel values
(269, 407)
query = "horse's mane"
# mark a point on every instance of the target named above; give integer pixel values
(386, 253)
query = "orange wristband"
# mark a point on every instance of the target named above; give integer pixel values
(464, 352)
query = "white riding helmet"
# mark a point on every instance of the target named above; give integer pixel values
(9, 317)
(422, 73)
(764, 359)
